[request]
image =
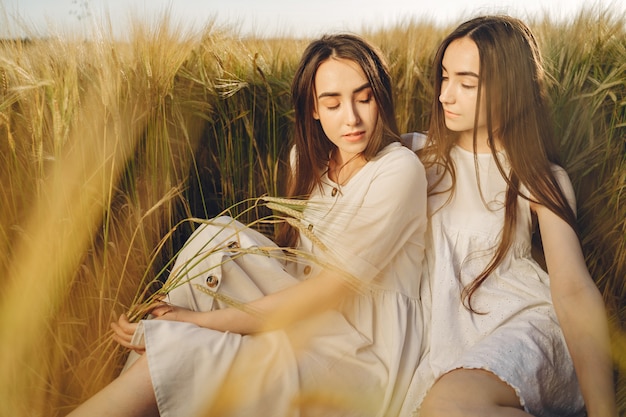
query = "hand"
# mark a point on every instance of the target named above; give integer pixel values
(165, 311)
(123, 332)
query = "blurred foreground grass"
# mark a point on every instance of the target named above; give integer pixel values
(105, 146)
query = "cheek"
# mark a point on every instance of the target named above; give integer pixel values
(324, 117)
(471, 106)
(373, 113)
(327, 122)
(482, 111)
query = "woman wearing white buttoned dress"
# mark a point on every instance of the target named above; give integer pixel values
(337, 330)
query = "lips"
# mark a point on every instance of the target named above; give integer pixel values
(450, 114)
(354, 136)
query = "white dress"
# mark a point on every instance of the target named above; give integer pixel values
(518, 337)
(357, 360)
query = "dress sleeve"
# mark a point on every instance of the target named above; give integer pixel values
(390, 217)
(414, 140)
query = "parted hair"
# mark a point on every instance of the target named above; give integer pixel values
(518, 116)
(313, 148)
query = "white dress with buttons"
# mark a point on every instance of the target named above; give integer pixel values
(517, 337)
(357, 360)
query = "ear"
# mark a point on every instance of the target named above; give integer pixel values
(316, 115)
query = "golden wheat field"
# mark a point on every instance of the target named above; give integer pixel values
(107, 148)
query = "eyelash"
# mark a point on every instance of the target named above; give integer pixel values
(367, 100)
(467, 87)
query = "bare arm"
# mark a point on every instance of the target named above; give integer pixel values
(581, 312)
(391, 215)
(276, 310)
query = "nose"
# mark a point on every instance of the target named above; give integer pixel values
(352, 116)
(446, 96)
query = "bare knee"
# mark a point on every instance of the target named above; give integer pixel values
(441, 401)
(470, 393)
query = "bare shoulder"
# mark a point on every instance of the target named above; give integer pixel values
(565, 184)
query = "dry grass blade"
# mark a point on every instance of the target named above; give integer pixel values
(229, 301)
(111, 153)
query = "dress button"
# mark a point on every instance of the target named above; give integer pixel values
(310, 227)
(333, 192)
(212, 281)
(307, 270)
(233, 245)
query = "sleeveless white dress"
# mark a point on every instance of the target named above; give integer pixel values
(518, 337)
(357, 360)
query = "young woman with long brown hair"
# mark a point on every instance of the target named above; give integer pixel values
(507, 338)
(336, 331)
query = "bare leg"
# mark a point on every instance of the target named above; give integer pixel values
(131, 394)
(471, 393)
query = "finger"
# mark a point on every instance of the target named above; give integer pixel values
(123, 333)
(162, 310)
(120, 333)
(126, 325)
(157, 301)
(127, 344)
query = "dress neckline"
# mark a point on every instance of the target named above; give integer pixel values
(464, 151)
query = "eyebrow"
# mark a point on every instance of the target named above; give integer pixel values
(462, 73)
(356, 90)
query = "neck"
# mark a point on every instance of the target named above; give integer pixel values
(467, 142)
(341, 171)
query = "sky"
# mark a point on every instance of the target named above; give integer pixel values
(304, 18)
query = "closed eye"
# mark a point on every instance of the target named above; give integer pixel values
(329, 102)
(366, 99)
(364, 95)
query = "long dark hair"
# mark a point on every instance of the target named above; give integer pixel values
(313, 148)
(516, 102)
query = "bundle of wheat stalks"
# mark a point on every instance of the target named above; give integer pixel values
(108, 146)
